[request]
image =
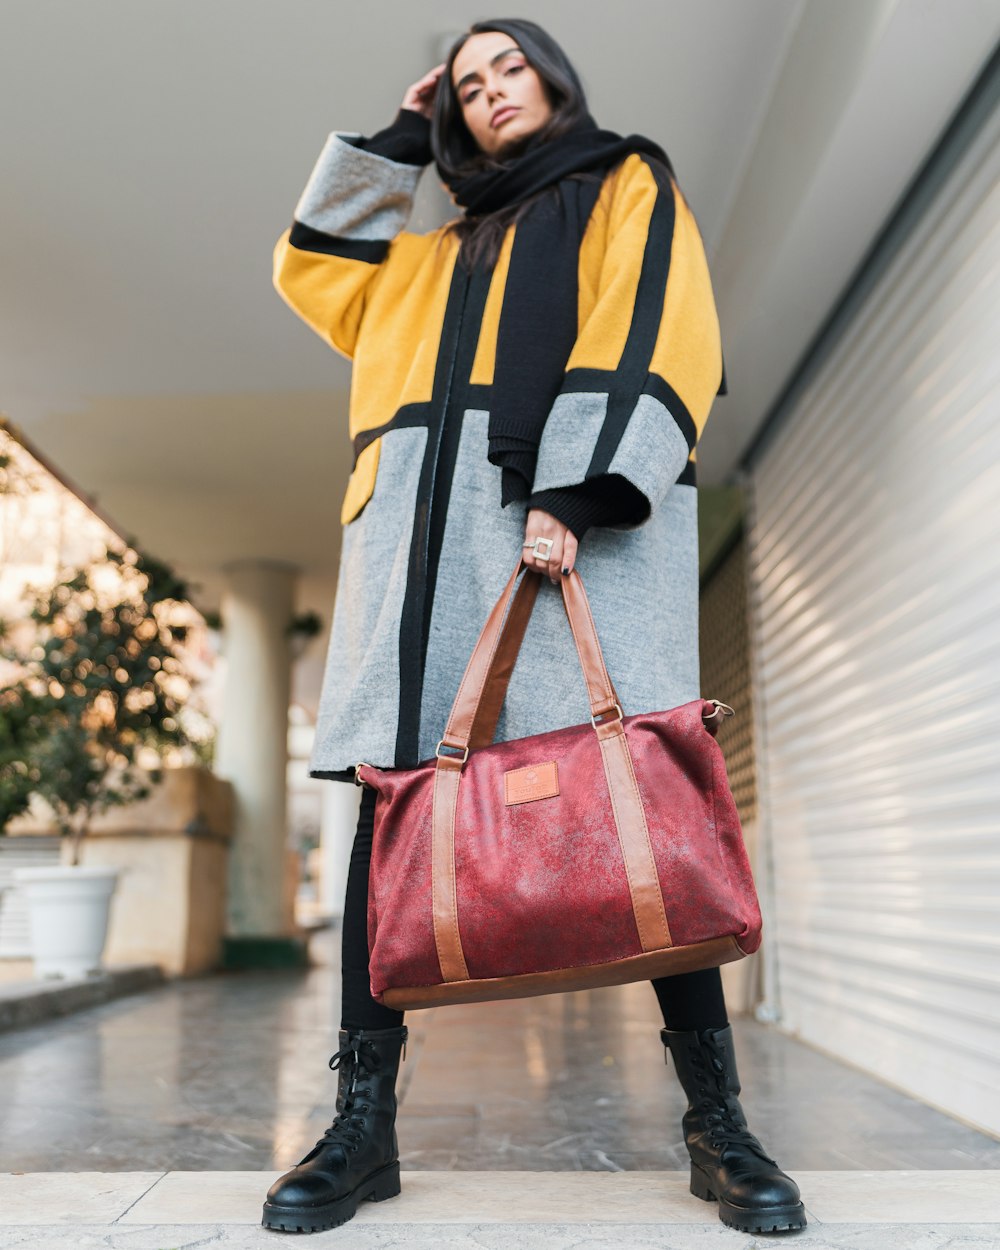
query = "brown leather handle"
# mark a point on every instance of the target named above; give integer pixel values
(484, 726)
(484, 683)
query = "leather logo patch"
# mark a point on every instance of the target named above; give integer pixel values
(535, 781)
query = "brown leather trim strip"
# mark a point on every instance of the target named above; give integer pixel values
(633, 835)
(448, 771)
(444, 885)
(709, 954)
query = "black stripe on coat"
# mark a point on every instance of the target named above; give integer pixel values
(405, 418)
(306, 239)
(609, 382)
(647, 310)
(411, 650)
(451, 433)
(456, 352)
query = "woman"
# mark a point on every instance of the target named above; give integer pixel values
(532, 376)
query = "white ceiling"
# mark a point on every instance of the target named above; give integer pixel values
(152, 153)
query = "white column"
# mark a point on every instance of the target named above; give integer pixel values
(252, 748)
(339, 825)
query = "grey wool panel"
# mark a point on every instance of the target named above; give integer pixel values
(356, 194)
(359, 700)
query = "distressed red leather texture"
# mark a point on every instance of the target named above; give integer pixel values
(536, 896)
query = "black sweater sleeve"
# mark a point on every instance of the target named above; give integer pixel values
(407, 139)
(607, 500)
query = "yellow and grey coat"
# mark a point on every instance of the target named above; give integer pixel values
(426, 547)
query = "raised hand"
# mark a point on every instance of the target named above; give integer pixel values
(420, 96)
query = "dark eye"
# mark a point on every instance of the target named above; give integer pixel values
(514, 68)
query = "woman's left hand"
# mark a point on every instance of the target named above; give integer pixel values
(562, 553)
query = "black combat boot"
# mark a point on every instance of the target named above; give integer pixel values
(727, 1162)
(358, 1155)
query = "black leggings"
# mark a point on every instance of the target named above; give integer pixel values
(689, 1000)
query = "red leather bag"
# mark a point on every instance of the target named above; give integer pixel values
(598, 854)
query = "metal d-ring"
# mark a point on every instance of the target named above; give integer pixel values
(442, 743)
(607, 712)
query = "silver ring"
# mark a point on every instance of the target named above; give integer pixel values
(534, 546)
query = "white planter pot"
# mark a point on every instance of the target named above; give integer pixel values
(68, 908)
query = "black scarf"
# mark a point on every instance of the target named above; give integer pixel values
(538, 321)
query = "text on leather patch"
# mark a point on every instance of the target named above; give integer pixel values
(534, 781)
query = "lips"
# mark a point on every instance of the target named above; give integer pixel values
(501, 115)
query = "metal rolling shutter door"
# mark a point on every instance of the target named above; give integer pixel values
(724, 650)
(874, 546)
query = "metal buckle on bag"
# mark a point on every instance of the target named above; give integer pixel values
(442, 743)
(618, 707)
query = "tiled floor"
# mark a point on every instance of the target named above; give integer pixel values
(230, 1073)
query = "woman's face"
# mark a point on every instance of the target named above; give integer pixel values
(501, 96)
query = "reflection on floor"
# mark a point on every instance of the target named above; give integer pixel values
(229, 1073)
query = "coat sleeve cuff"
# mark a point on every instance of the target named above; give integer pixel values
(406, 140)
(356, 194)
(651, 450)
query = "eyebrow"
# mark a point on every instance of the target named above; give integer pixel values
(493, 60)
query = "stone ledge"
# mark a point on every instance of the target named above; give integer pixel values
(892, 1205)
(24, 1003)
(360, 1235)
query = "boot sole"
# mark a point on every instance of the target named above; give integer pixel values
(747, 1220)
(289, 1219)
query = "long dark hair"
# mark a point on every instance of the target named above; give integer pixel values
(458, 154)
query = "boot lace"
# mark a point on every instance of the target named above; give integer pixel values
(721, 1106)
(345, 1129)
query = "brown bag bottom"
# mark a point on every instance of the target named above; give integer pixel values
(651, 964)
